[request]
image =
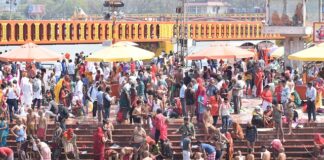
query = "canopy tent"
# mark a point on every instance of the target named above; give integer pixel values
(30, 52)
(315, 53)
(278, 52)
(120, 53)
(221, 52)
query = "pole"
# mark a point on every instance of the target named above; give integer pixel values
(10, 2)
(320, 10)
(183, 31)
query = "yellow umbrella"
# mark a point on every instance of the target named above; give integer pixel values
(279, 52)
(120, 53)
(315, 53)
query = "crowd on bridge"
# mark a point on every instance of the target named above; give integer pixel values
(151, 96)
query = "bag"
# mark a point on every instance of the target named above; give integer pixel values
(36, 87)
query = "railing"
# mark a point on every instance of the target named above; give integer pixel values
(238, 16)
(71, 32)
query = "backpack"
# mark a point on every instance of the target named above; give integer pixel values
(35, 86)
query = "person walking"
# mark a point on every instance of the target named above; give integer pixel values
(107, 100)
(225, 113)
(37, 92)
(186, 148)
(71, 69)
(182, 97)
(100, 101)
(277, 114)
(251, 134)
(12, 95)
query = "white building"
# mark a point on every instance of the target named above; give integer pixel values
(8, 5)
(206, 6)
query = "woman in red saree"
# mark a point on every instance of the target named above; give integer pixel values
(318, 144)
(259, 82)
(99, 144)
(267, 118)
(230, 146)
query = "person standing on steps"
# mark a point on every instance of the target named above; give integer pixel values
(182, 97)
(92, 97)
(186, 148)
(251, 134)
(311, 97)
(277, 114)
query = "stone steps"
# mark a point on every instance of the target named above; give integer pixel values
(295, 145)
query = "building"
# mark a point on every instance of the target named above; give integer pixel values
(9, 5)
(206, 6)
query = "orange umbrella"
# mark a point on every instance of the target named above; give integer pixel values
(221, 52)
(30, 52)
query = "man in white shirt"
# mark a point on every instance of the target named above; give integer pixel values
(106, 72)
(311, 97)
(71, 69)
(12, 95)
(182, 97)
(92, 95)
(79, 88)
(37, 90)
(58, 70)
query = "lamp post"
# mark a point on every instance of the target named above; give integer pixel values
(181, 30)
(113, 14)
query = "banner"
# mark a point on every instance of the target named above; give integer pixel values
(318, 32)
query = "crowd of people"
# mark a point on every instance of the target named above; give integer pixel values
(149, 94)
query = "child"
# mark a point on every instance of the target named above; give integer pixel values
(108, 128)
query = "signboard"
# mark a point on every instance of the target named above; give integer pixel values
(318, 32)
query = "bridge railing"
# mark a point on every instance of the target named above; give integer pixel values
(70, 32)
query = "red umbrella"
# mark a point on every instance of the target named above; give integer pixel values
(30, 52)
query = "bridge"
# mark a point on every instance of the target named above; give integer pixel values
(92, 32)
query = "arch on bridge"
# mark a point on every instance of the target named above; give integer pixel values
(127, 30)
(48, 32)
(41, 32)
(1, 32)
(119, 29)
(33, 31)
(145, 31)
(16, 32)
(157, 31)
(9, 32)
(86, 31)
(100, 31)
(57, 31)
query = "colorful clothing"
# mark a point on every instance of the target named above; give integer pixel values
(4, 133)
(21, 135)
(99, 145)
